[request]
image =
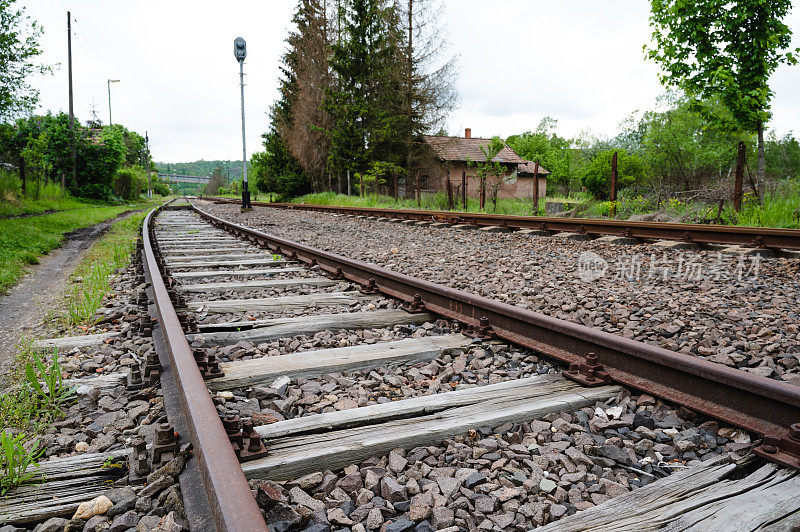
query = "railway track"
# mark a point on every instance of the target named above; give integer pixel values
(419, 384)
(764, 239)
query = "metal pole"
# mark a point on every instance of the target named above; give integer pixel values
(147, 162)
(108, 83)
(245, 191)
(71, 113)
(348, 182)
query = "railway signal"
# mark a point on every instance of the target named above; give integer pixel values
(240, 52)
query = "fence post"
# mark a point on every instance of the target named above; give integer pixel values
(739, 179)
(536, 187)
(464, 189)
(419, 193)
(449, 195)
(613, 195)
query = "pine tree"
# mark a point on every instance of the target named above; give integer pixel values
(363, 106)
(303, 127)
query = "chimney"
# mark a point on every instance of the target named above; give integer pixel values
(468, 133)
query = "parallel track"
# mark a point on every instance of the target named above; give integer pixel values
(761, 237)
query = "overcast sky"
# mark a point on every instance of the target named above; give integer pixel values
(579, 61)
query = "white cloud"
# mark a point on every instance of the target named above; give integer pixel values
(580, 62)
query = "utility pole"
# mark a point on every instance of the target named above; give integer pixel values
(110, 81)
(240, 52)
(71, 114)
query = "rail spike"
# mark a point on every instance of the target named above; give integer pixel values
(782, 448)
(590, 373)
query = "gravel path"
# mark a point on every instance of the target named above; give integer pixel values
(741, 312)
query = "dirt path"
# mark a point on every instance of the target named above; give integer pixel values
(26, 305)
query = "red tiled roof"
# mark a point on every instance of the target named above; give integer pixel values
(528, 167)
(463, 149)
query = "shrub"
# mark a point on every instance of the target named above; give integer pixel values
(129, 183)
(162, 189)
(596, 177)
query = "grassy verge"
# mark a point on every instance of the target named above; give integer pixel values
(91, 277)
(38, 198)
(432, 202)
(18, 207)
(24, 240)
(36, 394)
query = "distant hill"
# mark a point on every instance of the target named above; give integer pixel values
(203, 168)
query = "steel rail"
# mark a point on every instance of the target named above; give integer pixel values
(768, 407)
(764, 237)
(232, 503)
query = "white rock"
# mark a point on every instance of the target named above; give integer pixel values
(97, 506)
(281, 381)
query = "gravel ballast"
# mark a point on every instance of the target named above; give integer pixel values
(723, 308)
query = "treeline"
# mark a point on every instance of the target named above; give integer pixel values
(685, 147)
(109, 160)
(360, 81)
(230, 169)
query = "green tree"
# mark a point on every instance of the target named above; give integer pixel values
(365, 106)
(487, 168)
(596, 176)
(99, 156)
(783, 156)
(724, 49)
(216, 181)
(276, 170)
(553, 153)
(19, 47)
(685, 149)
(302, 119)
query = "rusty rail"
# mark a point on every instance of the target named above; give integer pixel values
(233, 506)
(763, 237)
(765, 406)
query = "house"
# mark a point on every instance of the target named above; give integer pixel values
(446, 158)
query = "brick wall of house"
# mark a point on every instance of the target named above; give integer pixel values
(437, 175)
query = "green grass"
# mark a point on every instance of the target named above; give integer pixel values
(17, 455)
(24, 240)
(778, 210)
(432, 202)
(17, 207)
(38, 198)
(26, 409)
(91, 277)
